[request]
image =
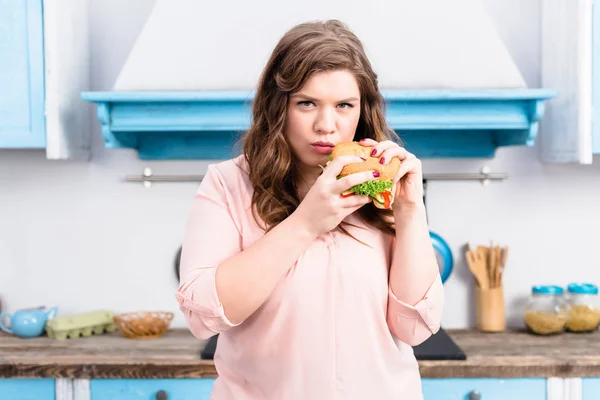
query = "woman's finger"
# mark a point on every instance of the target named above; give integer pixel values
(382, 147)
(348, 181)
(334, 168)
(367, 142)
(394, 151)
(355, 201)
(409, 165)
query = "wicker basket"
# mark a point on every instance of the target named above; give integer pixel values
(144, 324)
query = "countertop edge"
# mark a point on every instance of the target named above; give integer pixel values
(108, 371)
(176, 370)
(177, 355)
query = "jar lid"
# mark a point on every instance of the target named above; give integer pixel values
(547, 289)
(582, 288)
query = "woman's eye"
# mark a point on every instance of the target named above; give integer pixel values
(305, 103)
(345, 105)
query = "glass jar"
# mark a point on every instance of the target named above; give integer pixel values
(546, 311)
(584, 314)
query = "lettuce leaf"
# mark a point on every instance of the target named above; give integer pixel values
(372, 188)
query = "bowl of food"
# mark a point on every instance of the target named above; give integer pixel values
(144, 324)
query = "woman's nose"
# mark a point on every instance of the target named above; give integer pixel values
(325, 122)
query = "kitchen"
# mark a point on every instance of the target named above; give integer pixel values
(77, 235)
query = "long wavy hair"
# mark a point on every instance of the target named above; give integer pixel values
(303, 50)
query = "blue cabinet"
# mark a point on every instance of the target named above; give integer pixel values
(488, 388)
(590, 388)
(145, 389)
(433, 389)
(44, 66)
(21, 74)
(27, 389)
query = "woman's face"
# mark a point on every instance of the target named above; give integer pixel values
(323, 113)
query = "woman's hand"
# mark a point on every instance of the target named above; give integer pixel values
(324, 206)
(409, 180)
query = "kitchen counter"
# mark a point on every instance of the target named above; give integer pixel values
(177, 355)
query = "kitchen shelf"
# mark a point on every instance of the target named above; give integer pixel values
(207, 124)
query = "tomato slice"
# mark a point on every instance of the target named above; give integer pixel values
(387, 199)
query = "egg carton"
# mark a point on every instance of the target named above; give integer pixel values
(81, 325)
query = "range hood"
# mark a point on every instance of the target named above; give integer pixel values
(450, 86)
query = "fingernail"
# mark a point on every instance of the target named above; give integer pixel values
(376, 174)
(381, 160)
(374, 152)
(364, 159)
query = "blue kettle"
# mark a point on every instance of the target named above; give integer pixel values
(27, 323)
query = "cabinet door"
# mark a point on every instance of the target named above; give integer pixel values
(566, 131)
(21, 74)
(148, 389)
(596, 77)
(26, 388)
(590, 388)
(488, 389)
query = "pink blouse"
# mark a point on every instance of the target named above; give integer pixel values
(332, 329)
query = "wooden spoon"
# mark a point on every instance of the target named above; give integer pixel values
(483, 270)
(498, 264)
(485, 254)
(472, 263)
(503, 257)
(492, 265)
(478, 268)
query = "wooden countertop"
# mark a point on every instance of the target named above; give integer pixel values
(177, 355)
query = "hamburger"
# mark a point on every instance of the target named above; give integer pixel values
(381, 189)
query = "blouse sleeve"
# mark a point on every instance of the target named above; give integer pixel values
(211, 237)
(415, 324)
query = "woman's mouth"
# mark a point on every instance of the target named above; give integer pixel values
(323, 148)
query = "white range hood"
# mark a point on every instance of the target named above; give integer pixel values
(451, 86)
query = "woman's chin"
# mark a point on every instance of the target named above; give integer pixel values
(314, 163)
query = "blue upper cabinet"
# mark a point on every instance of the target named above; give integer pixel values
(207, 124)
(44, 66)
(22, 123)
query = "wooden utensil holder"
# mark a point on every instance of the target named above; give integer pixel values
(489, 307)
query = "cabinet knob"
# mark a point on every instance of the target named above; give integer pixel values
(474, 395)
(162, 395)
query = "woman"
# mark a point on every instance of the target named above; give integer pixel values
(314, 295)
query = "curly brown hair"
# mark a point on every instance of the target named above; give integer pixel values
(303, 50)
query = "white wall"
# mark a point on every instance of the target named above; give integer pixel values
(72, 234)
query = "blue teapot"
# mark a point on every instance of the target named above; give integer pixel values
(28, 322)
